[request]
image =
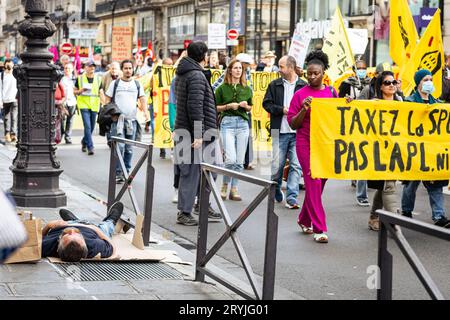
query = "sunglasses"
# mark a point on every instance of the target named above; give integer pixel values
(388, 83)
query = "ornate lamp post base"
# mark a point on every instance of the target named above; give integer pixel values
(35, 189)
(35, 168)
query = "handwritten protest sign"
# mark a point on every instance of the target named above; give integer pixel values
(122, 43)
(379, 140)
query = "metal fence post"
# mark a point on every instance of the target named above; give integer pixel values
(384, 292)
(149, 187)
(112, 175)
(202, 236)
(270, 258)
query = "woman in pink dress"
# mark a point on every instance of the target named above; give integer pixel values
(312, 218)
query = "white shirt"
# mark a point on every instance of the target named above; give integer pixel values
(8, 88)
(126, 97)
(289, 90)
(68, 85)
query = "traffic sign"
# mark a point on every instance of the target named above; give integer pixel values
(66, 48)
(232, 34)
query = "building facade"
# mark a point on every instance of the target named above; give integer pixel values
(75, 21)
(14, 14)
(446, 11)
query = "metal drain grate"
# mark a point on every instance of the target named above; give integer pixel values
(109, 271)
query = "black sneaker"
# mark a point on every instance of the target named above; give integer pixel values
(186, 219)
(114, 212)
(443, 222)
(120, 179)
(91, 152)
(67, 215)
(83, 148)
(68, 141)
(363, 202)
(213, 215)
(407, 214)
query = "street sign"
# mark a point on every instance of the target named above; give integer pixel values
(216, 36)
(66, 48)
(232, 34)
(83, 34)
(232, 43)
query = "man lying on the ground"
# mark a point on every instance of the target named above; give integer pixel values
(72, 239)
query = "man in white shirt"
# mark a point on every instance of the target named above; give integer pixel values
(8, 94)
(276, 102)
(126, 92)
(68, 83)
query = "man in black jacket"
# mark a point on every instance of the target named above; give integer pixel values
(276, 102)
(195, 127)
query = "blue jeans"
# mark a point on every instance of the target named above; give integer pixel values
(361, 190)
(89, 120)
(107, 227)
(234, 132)
(125, 149)
(285, 148)
(434, 193)
(152, 121)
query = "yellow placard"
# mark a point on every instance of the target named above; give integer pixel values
(162, 79)
(379, 140)
(260, 117)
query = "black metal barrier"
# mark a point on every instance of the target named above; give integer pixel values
(390, 222)
(149, 181)
(203, 257)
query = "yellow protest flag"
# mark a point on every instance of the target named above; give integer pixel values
(403, 35)
(337, 47)
(429, 55)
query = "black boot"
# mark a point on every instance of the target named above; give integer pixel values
(115, 212)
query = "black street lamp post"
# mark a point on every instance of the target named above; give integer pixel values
(35, 168)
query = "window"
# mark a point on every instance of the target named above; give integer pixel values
(181, 28)
(202, 20)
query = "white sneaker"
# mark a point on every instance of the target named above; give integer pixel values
(175, 197)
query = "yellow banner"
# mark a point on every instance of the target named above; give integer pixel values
(260, 117)
(379, 140)
(162, 78)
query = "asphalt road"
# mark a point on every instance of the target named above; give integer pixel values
(340, 269)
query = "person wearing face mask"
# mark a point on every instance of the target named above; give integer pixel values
(353, 86)
(424, 94)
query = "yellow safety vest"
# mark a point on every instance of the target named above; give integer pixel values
(89, 101)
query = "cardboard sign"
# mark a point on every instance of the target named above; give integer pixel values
(217, 36)
(299, 47)
(31, 250)
(122, 43)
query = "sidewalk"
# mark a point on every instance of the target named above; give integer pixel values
(45, 281)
